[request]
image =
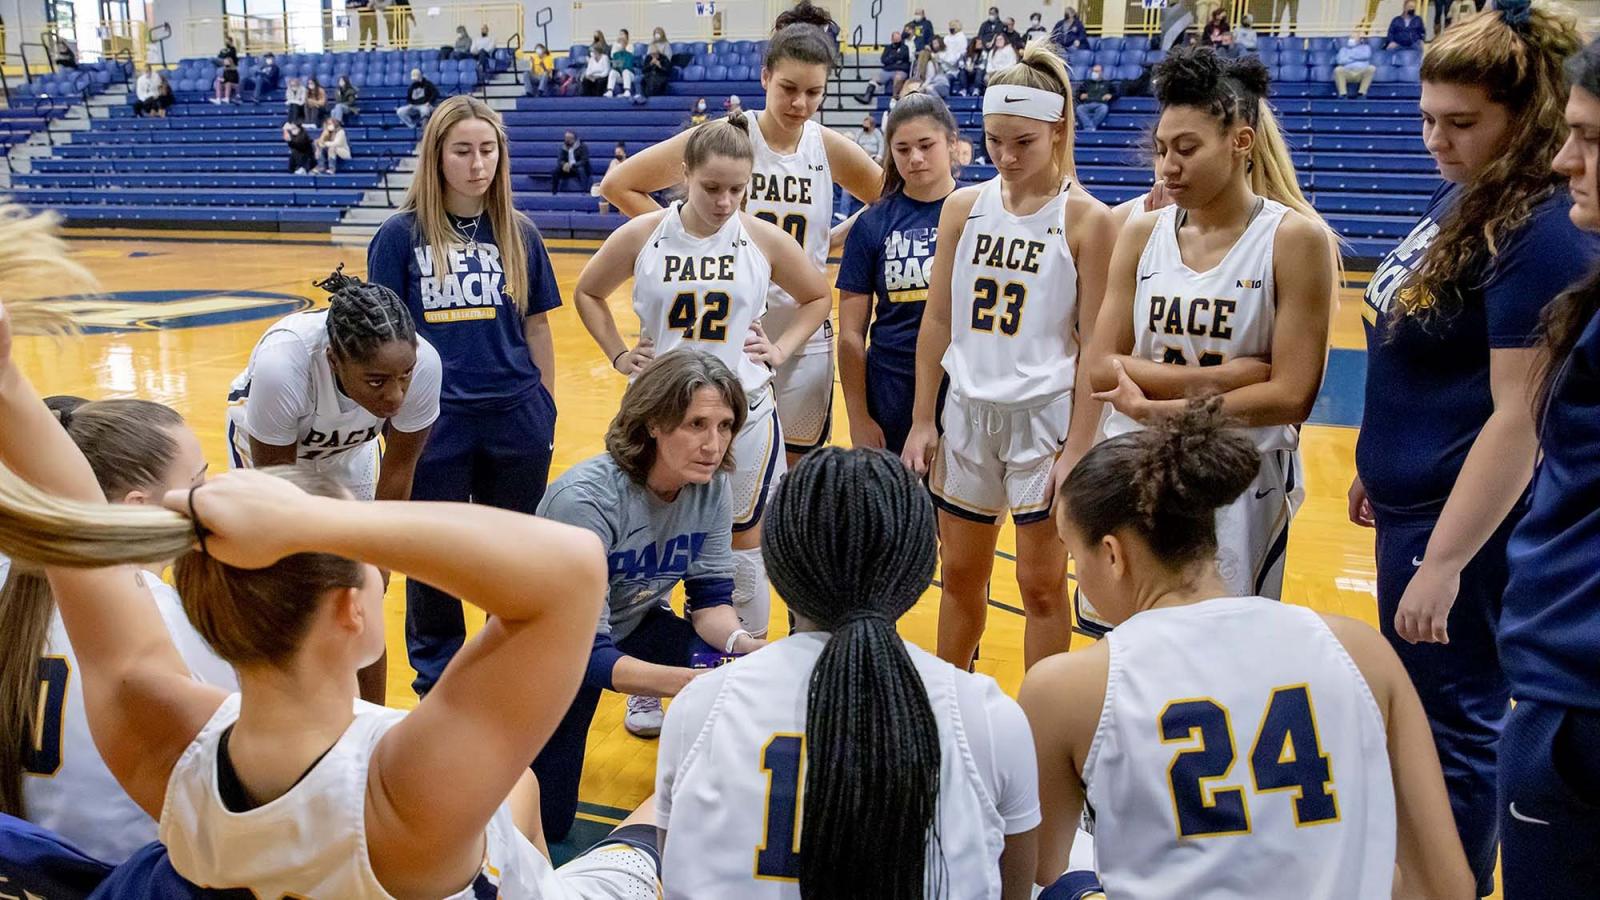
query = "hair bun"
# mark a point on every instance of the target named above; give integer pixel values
(803, 13)
(1187, 77)
(1515, 13)
(1251, 73)
(63, 406)
(338, 281)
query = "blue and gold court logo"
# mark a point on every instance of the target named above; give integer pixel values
(155, 310)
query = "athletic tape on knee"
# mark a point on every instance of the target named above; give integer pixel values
(752, 597)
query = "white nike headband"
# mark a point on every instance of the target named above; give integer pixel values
(1030, 103)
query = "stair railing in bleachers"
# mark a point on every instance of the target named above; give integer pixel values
(542, 19)
(159, 34)
(49, 104)
(385, 165)
(876, 9)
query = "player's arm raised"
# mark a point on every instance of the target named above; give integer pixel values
(853, 169)
(610, 266)
(1431, 863)
(793, 271)
(933, 338)
(628, 185)
(143, 707)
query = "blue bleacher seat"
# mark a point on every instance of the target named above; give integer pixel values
(1377, 42)
(1293, 58)
(1132, 57)
(1293, 73)
(722, 47)
(1386, 74)
(1266, 42)
(1129, 73)
(1080, 60)
(1154, 56)
(739, 73)
(681, 47)
(716, 73)
(1408, 57)
(1107, 58)
(1109, 44)
(694, 73)
(1381, 58)
(1321, 73)
(1411, 74)
(1322, 57)
(1269, 58)
(744, 46)
(1328, 44)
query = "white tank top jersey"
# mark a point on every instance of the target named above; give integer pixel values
(1207, 318)
(793, 191)
(1240, 753)
(67, 787)
(312, 842)
(288, 394)
(1013, 304)
(731, 768)
(703, 293)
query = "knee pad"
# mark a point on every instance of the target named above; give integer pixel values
(752, 598)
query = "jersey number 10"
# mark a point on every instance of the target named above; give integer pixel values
(1286, 756)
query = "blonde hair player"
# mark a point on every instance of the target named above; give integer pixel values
(1016, 284)
(1229, 290)
(701, 271)
(797, 162)
(1223, 739)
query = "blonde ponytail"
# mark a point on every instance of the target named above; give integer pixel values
(1041, 67)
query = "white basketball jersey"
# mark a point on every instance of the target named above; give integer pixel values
(703, 293)
(66, 785)
(1194, 318)
(1240, 753)
(793, 191)
(730, 786)
(311, 842)
(329, 423)
(1013, 304)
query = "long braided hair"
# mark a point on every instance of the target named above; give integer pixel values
(363, 317)
(850, 545)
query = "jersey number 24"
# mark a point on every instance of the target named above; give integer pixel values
(1286, 756)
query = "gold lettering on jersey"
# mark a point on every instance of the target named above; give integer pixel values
(1198, 316)
(780, 188)
(698, 268)
(1001, 252)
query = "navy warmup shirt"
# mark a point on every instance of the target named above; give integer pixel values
(1427, 393)
(889, 256)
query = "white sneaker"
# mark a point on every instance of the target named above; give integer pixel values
(644, 717)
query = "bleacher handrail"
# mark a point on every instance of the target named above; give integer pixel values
(542, 17)
(159, 35)
(335, 30)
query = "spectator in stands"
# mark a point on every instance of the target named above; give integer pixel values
(621, 65)
(294, 98)
(316, 102)
(698, 115)
(732, 105)
(956, 42)
(265, 78)
(972, 70)
(597, 71)
(1287, 13)
(572, 163)
(420, 98)
(1094, 99)
(344, 100)
(1069, 33)
(894, 67)
(1244, 34)
(541, 65)
(1013, 36)
(228, 51)
(332, 145)
(66, 57)
(963, 152)
(1227, 49)
(1001, 56)
(366, 23)
(1354, 61)
(483, 47)
(990, 27)
(1036, 28)
(935, 68)
(144, 91)
(660, 44)
(922, 30)
(1407, 31)
(227, 83)
(657, 72)
(302, 152)
(462, 49)
(870, 139)
(1216, 27)
(163, 97)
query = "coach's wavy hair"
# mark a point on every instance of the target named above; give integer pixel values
(1164, 482)
(1042, 67)
(363, 317)
(129, 445)
(426, 195)
(850, 545)
(801, 33)
(911, 107)
(1516, 53)
(658, 399)
(1566, 317)
(1235, 92)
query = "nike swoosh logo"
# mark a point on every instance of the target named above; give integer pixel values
(974, 216)
(1522, 818)
(1260, 494)
(552, 445)
(1416, 562)
(1144, 278)
(635, 531)
(1015, 99)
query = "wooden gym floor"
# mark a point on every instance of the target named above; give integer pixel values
(182, 311)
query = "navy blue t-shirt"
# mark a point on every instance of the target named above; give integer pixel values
(1427, 393)
(1550, 620)
(889, 255)
(464, 311)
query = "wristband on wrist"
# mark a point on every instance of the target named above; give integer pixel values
(733, 639)
(620, 354)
